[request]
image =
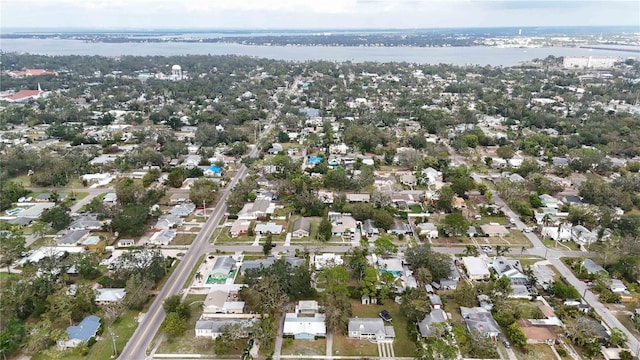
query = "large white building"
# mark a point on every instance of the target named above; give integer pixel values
(589, 62)
(176, 72)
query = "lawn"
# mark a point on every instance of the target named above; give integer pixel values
(222, 236)
(402, 344)
(569, 245)
(536, 351)
(183, 239)
(187, 284)
(123, 328)
(625, 320)
(304, 347)
(345, 346)
(185, 343)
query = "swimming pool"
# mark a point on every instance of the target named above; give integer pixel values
(315, 159)
(92, 240)
(14, 211)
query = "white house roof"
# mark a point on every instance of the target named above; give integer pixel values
(110, 295)
(475, 266)
(293, 325)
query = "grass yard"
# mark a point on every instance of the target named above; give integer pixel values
(345, 346)
(185, 343)
(535, 351)
(222, 236)
(402, 344)
(304, 347)
(183, 239)
(187, 284)
(626, 322)
(569, 245)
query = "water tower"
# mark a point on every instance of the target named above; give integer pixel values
(176, 72)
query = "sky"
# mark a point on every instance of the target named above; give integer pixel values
(313, 14)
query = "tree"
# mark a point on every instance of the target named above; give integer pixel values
(382, 219)
(359, 262)
(384, 246)
(137, 289)
(325, 229)
(12, 246)
(174, 304)
(563, 291)
(202, 191)
(369, 282)
(471, 250)
(12, 336)
(455, 224)
(131, 220)
(268, 244)
(58, 217)
(129, 191)
(173, 325)
(414, 304)
(617, 338)
(516, 335)
(151, 176)
(176, 177)
(506, 152)
(445, 199)
(465, 294)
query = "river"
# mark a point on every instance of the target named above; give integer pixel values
(475, 55)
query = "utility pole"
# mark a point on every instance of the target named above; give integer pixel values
(113, 340)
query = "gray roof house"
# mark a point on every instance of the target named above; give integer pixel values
(87, 222)
(82, 333)
(265, 263)
(427, 325)
(72, 238)
(400, 228)
(480, 320)
(268, 228)
(369, 228)
(370, 328)
(592, 267)
(301, 227)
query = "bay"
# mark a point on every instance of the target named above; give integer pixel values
(475, 55)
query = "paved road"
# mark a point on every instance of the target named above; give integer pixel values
(136, 348)
(554, 255)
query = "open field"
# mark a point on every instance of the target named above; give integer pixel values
(188, 343)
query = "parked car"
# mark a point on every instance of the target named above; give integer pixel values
(506, 344)
(384, 314)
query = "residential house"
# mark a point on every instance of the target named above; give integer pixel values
(560, 233)
(240, 227)
(162, 237)
(369, 229)
(358, 198)
(591, 267)
(583, 236)
(342, 224)
(400, 228)
(409, 180)
(572, 200)
(191, 161)
(126, 242)
(167, 222)
(87, 222)
(436, 302)
(268, 228)
(494, 229)
(110, 199)
(179, 198)
(214, 328)
(510, 268)
(478, 319)
(82, 333)
(617, 286)
(221, 302)
(429, 230)
(476, 268)
(432, 324)
(472, 231)
(370, 328)
(108, 296)
(261, 207)
(183, 210)
(549, 201)
(301, 227)
(73, 238)
(306, 322)
(515, 178)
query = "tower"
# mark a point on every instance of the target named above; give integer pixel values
(176, 73)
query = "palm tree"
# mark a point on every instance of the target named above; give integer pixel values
(471, 250)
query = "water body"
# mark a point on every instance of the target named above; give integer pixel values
(476, 55)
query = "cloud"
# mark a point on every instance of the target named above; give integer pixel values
(315, 13)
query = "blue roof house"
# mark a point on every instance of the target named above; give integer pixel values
(82, 333)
